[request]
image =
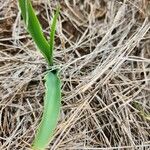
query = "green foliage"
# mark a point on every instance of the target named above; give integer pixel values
(52, 105)
(52, 100)
(52, 33)
(35, 30)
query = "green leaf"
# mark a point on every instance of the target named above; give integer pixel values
(52, 103)
(53, 30)
(34, 28)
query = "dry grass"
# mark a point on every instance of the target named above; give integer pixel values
(103, 52)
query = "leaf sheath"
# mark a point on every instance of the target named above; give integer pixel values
(52, 103)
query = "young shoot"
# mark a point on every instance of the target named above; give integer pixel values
(52, 99)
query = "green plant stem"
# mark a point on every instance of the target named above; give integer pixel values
(52, 103)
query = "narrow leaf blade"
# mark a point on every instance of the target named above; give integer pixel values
(53, 30)
(34, 28)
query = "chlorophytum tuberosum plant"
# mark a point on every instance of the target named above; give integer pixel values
(52, 99)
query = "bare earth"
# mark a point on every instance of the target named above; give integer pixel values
(102, 50)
